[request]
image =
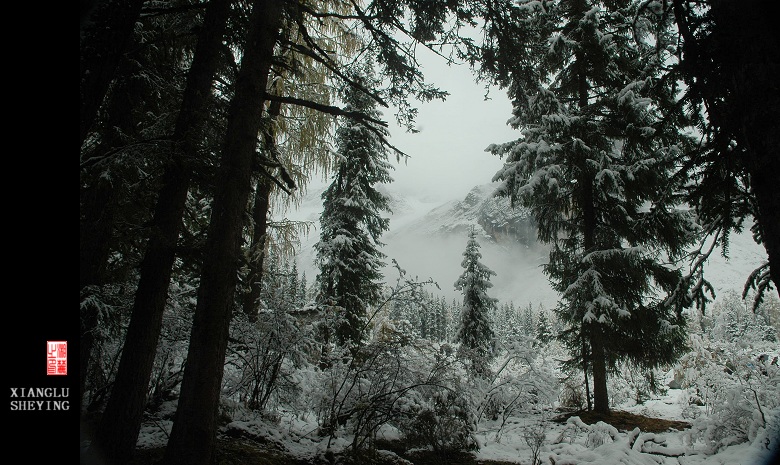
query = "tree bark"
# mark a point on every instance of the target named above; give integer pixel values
(257, 248)
(599, 370)
(263, 191)
(98, 211)
(104, 38)
(590, 220)
(121, 421)
(193, 437)
(597, 354)
(585, 372)
(94, 248)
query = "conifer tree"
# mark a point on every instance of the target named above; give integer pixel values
(303, 290)
(294, 285)
(348, 253)
(595, 166)
(543, 330)
(441, 317)
(528, 320)
(474, 332)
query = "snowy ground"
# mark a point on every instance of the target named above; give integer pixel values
(570, 443)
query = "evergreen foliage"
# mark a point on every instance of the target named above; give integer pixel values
(474, 332)
(594, 165)
(249, 87)
(544, 332)
(729, 60)
(348, 253)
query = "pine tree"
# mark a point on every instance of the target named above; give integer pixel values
(303, 291)
(348, 253)
(528, 320)
(543, 330)
(116, 436)
(474, 331)
(442, 322)
(294, 286)
(595, 166)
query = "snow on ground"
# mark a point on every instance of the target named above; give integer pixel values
(570, 443)
(575, 443)
(563, 443)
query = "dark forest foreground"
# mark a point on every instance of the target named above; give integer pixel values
(258, 451)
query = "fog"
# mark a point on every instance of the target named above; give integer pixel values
(519, 277)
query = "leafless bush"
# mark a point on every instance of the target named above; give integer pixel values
(534, 436)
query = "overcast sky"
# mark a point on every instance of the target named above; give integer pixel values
(447, 156)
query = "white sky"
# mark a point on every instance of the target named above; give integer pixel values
(447, 156)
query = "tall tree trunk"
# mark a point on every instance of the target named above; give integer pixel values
(597, 354)
(104, 38)
(99, 204)
(193, 437)
(599, 369)
(263, 191)
(94, 248)
(121, 421)
(588, 205)
(257, 247)
(585, 371)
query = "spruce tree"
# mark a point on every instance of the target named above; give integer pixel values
(528, 320)
(440, 306)
(543, 330)
(348, 252)
(595, 166)
(474, 331)
(303, 291)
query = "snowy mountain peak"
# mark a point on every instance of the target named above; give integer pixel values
(428, 239)
(493, 216)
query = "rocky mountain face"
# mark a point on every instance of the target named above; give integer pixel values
(428, 239)
(496, 218)
(430, 244)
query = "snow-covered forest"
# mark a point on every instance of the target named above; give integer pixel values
(608, 296)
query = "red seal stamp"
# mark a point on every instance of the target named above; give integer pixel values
(56, 357)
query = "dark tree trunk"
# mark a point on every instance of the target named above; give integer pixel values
(98, 207)
(589, 222)
(99, 204)
(257, 248)
(104, 38)
(193, 437)
(263, 191)
(599, 369)
(597, 355)
(585, 372)
(765, 171)
(119, 427)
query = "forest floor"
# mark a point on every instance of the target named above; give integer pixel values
(669, 426)
(233, 451)
(626, 421)
(252, 451)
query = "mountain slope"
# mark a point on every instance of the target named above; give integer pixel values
(431, 246)
(427, 240)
